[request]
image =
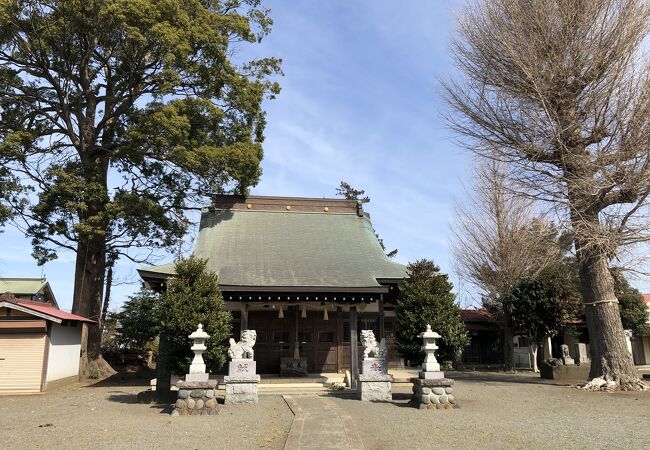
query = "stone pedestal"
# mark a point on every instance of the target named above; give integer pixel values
(293, 367)
(241, 367)
(580, 350)
(196, 398)
(431, 375)
(241, 389)
(375, 388)
(433, 393)
(374, 367)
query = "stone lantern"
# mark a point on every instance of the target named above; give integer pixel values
(431, 390)
(197, 368)
(196, 394)
(430, 366)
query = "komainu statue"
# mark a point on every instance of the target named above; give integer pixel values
(244, 348)
(370, 345)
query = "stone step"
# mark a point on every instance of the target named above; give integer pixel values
(263, 386)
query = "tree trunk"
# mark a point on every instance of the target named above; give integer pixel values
(87, 302)
(107, 295)
(163, 374)
(610, 359)
(532, 353)
(90, 266)
(508, 350)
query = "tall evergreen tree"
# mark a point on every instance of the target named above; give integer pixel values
(118, 116)
(193, 297)
(426, 298)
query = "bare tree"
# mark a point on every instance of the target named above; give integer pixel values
(560, 90)
(497, 239)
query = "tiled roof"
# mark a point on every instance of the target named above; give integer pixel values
(476, 315)
(272, 242)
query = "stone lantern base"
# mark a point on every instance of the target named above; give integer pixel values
(196, 398)
(433, 393)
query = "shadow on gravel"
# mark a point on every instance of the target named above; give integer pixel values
(148, 397)
(500, 377)
(131, 378)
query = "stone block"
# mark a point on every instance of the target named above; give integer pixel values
(199, 404)
(241, 389)
(430, 367)
(448, 390)
(432, 375)
(440, 382)
(438, 390)
(197, 393)
(375, 388)
(580, 350)
(374, 367)
(242, 367)
(183, 393)
(210, 384)
(191, 377)
(191, 403)
(425, 399)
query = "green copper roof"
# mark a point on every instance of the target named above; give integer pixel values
(276, 249)
(27, 286)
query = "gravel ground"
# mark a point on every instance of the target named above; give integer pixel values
(497, 411)
(109, 417)
(505, 411)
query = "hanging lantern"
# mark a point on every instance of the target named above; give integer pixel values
(281, 313)
(325, 316)
(304, 312)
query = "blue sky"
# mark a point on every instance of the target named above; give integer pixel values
(360, 102)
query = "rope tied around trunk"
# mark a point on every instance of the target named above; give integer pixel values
(601, 301)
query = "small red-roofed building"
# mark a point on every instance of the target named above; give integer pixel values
(39, 343)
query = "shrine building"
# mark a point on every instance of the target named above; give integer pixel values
(307, 274)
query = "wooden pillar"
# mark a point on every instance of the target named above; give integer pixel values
(354, 350)
(339, 339)
(244, 316)
(381, 317)
(296, 341)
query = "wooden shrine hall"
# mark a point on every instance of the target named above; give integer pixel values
(306, 274)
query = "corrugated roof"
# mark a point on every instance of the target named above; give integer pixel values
(53, 311)
(44, 310)
(258, 248)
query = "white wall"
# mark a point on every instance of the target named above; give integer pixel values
(65, 346)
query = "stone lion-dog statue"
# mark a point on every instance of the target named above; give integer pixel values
(370, 345)
(244, 348)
